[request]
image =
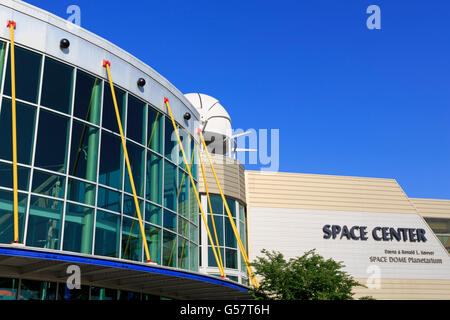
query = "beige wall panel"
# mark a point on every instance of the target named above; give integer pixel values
(406, 289)
(322, 192)
(432, 208)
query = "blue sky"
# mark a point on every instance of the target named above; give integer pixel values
(347, 100)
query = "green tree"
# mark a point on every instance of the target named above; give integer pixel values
(309, 277)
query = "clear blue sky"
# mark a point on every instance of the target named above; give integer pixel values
(347, 100)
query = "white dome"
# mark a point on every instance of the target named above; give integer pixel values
(213, 115)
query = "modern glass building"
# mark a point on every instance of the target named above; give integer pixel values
(75, 197)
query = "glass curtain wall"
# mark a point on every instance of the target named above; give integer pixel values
(74, 190)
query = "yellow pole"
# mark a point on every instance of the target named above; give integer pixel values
(12, 26)
(127, 160)
(209, 204)
(241, 247)
(166, 101)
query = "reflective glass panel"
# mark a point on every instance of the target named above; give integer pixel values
(107, 234)
(232, 206)
(129, 207)
(25, 120)
(84, 151)
(28, 73)
(137, 160)
(183, 253)
(231, 259)
(152, 213)
(109, 120)
(6, 176)
(136, 120)
(155, 130)
(170, 142)
(170, 186)
(183, 193)
(109, 199)
(131, 240)
(230, 239)
(2, 59)
(216, 204)
(48, 184)
(57, 85)
(193, 257)
(154, 178)
(169, 249)
(212, 259)
(80, 191)
(78, 229)
(153, 235)
(218, 221)
(52, 140)
(44, 223)
(7, 216)
(87, 97)
(111, 161)
(170, 220)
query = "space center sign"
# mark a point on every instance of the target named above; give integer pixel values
(398, 245)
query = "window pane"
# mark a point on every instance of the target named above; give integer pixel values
(170, 221)
(231, 259)
(152, 213)
(103, 294)
(212, 259)
(57, 85)
(216, 204)
(87, 97)
(131, 240)
(111, 161)
(37, 290)
(25, 119)
(194, 233)
(8, 288)
(183, 194)
(232, 206)
(153, 235)
(48, 184)
(128, 295)
(7, 216)
(183, 227)
(78, 228)
(109, 120)
(84, 151)
(154, 178)
(193, 257)
(230, 239)
(241, 212)
(28, 73)
(81, 192)
(51, 148)
(170, 186)
(109, 199)
(193, 204)
(107, 234)
(183, 253)
(129, 207)
(155, 130)
(6, 176)
(136, 120)
(137, 159)
(194, 158)
(186, 141)
(218, 221)
(170, 142)
(169, 249)
(44, 223)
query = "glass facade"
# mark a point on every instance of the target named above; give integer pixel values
(74, 190)
(24, 289)
(229, 250)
